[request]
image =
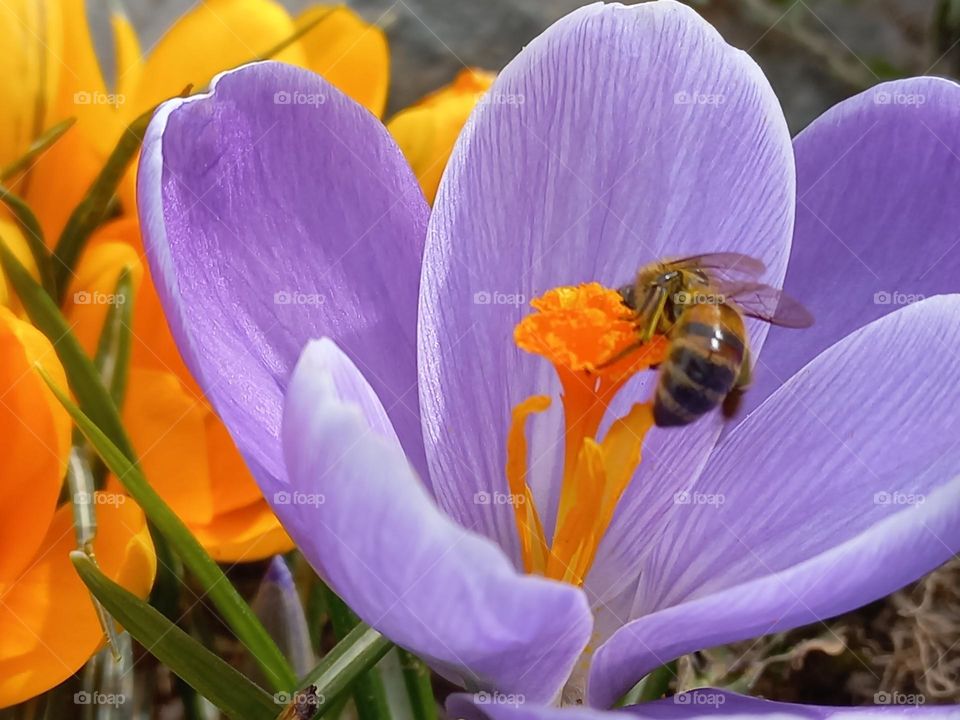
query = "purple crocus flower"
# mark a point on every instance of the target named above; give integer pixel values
(409, 450)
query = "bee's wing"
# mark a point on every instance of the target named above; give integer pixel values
(722, 265)
(761, 301)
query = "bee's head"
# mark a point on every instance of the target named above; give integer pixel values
(629, 295)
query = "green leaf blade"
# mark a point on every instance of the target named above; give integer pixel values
(37, 148)
(112, 358)
(93, 209)
(33, 233)
(369, 695)
(361, 649)
(213, 678)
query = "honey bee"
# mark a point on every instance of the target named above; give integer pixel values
(699, 304)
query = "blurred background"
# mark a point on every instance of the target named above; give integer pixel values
(815, 52)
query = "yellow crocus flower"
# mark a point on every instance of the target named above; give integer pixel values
(47, 620)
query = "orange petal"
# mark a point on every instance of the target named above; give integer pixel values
(59, 180)
(167, 426)
(153, 345)
(47, 621)
(62, 175)
(31, 37)
(250, 533)
(233, 487)
(93, 287)
(128, 56)
(427, 131)
(349, 53)
(215, 35)
(36, 442)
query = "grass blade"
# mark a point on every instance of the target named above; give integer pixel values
(93, 209)
(213, 678)
(360, 650)
(33, 232)
(112, 359)
(416, 676)
(368, 692)
(36, 148)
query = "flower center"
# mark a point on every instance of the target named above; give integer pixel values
(587, 333)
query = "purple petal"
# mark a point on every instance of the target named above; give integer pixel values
(708, 702)
(878, 224)
(275, 209)
(502, 706)
(375, 535)
(620, 135)
(842, 487)
(702, 703)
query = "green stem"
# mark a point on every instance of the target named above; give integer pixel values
(368, 693)
(360, 650)
(416, 676)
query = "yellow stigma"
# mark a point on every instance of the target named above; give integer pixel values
(579, 330)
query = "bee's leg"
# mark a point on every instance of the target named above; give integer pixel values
(646, 325)
(632, 347)
(651, 313)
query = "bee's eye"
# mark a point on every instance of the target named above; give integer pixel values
(628, 293)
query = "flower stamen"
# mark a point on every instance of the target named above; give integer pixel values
(533, 544)
(579, 329)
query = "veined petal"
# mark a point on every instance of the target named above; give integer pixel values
(447, 594)
(275, 209)
(349, 53)
(876, 216)
(839, 489)
(47, 621)
(619, 136)
(36, 443)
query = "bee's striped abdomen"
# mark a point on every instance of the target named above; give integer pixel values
(705, 356)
